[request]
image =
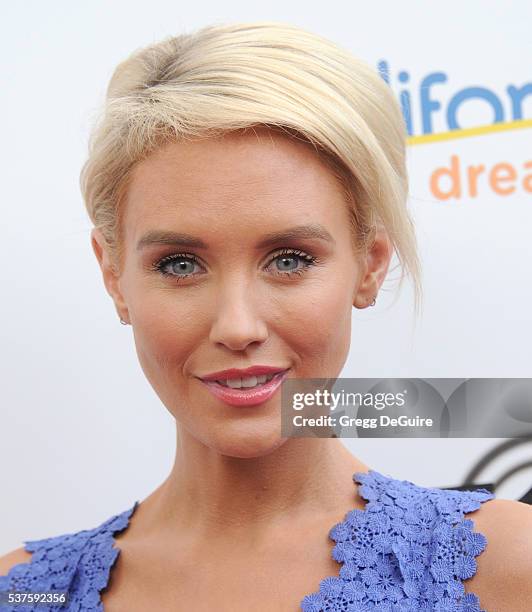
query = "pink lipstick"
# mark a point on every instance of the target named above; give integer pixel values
(244, 396)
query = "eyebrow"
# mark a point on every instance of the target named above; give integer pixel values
(165, 237)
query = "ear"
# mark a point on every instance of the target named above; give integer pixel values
(375, 262)
(110, 278)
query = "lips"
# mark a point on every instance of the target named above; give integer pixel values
(246, 396)
(257, 370)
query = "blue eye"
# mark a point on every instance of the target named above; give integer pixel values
(177, 264)
(181, 265)
(286, 257)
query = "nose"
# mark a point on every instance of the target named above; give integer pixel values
(237, 322)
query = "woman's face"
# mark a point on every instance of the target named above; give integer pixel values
(234, 292)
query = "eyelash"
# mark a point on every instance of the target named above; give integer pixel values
(308, 260)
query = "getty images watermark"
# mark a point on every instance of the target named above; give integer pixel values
(406, 407)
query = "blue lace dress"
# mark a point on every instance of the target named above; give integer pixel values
(408, 550)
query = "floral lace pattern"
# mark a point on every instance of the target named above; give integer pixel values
(76, 563)
(408, 550)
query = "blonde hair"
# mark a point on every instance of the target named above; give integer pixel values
(223, 78)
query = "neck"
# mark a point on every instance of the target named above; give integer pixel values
(207, 493)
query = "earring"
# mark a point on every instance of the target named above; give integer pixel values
(370, 304)
(123, 322)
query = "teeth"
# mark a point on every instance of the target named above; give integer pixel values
(247, 382)
(235, 383)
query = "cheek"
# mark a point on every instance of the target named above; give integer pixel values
(166, 328)
(315, 321)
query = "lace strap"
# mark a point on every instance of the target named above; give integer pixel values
(408, 550)
(97, 560)
(78, 563)
(51, 568)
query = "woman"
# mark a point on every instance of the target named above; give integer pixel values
(222, 156)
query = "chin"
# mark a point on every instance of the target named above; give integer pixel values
(246, 444)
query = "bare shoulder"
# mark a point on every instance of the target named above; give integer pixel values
(19, 555)
(502, 581)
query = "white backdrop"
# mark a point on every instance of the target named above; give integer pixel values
(83, 435)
